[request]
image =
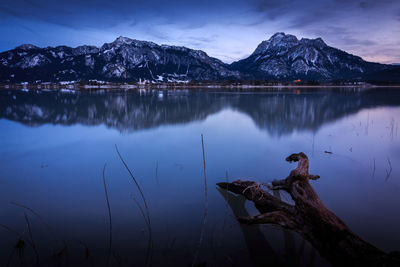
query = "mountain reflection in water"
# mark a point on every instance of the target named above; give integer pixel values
(277, 112)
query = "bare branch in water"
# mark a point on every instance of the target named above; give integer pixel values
(157, 171)
(32, 241)
(150, 242)
(388, 172)
(204, 221)
(20, 243)
(20, 235)
(140, 191)
(373, 171)
(42, 221)
(109, 216)
(136, 183)
(87, 250)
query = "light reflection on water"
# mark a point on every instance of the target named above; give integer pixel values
(54, 146)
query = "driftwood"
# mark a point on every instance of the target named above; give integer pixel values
(261, 252)
(310, 218)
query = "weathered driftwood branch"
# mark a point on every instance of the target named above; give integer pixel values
(309, 217)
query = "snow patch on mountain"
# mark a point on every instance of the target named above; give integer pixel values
(32, 61)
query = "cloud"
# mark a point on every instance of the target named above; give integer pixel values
(229, 29)
(104, 13)
(363, 4)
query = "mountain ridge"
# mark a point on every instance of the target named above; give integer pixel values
(283, 57)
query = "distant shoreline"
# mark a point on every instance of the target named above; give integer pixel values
(178, 86)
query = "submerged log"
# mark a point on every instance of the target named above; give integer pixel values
(310, 218)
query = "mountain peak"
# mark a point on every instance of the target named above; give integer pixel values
(277, 41)
(281, 36)
(316, 42)
(320, 42)
(123, 40)
(278, 35)
(27, 47)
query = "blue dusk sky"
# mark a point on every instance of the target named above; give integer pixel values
(226, 29)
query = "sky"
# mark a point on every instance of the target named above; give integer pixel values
(226, 29)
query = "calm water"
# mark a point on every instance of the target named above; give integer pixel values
(54, 146)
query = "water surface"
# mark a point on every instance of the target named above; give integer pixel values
(54, 146)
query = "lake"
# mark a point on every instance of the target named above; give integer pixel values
(54, 145)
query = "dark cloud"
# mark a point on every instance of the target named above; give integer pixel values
(29, 29)
(355, 24)
(305, 12)
(105, 13)
(102, 13)
(345, 36)
(363, 4)
(273, 8)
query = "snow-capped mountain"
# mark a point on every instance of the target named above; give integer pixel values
(124, 59)
(284, 57)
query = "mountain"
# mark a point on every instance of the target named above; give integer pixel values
(124, 59)
(284, 57)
